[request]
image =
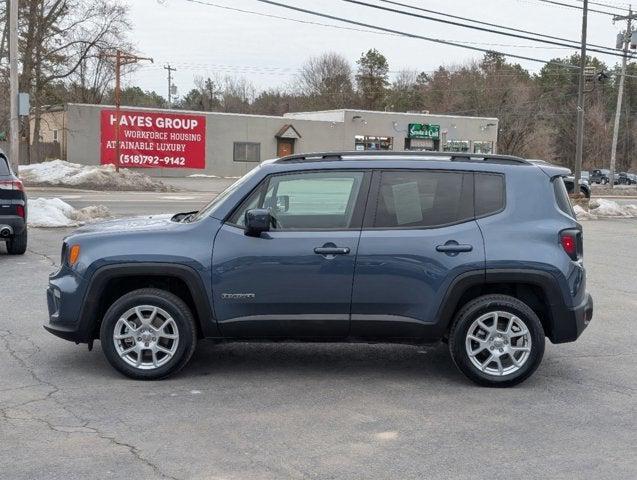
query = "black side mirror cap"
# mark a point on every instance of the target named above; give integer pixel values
(257, 221)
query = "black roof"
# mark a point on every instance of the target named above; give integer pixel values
(387, 155)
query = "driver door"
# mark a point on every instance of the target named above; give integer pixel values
(296, 279)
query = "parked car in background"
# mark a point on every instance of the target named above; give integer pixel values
(633, 178)
(409, 247)
(13, 209)
(623, 178)
(599, 176)
(584, 187)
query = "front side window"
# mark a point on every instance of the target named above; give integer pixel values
(424, 199)
(308, 200)
(247, 152)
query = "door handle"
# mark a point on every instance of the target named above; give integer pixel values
(452, 247)
(331, 250)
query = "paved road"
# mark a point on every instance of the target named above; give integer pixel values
(304, 411)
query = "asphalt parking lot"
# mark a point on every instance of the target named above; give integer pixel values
(264, 411)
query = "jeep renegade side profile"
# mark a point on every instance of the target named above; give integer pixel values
(481, 251)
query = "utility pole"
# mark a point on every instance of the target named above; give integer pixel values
(170, 83)
(121, 59)
(579, 145)
(620, 92)
(14, 119)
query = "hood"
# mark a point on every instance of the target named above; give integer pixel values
(134, 224)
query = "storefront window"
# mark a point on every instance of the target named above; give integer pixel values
(482, 147)
(457, 146)
(364, 142)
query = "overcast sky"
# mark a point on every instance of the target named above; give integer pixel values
(201, 40)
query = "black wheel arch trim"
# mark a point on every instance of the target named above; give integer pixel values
(188, 275)
(557, 307)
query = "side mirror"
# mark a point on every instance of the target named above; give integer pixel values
(257, 221)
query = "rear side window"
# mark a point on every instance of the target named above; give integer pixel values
(490, 193)
(4, 166)
(561, 196)
(424, 199)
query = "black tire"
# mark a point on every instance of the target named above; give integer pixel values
(171, 304)
(18, 244)
(585, 191)
(480, 306)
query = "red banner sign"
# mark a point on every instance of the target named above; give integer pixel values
(153, 140)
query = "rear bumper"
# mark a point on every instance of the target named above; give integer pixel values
(17, 224)
(573, 322)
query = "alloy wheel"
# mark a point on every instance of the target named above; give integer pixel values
(146, 337)
(498, 343)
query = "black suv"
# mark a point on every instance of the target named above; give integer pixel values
(13, 209)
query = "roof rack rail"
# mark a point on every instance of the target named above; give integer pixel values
(384, 155)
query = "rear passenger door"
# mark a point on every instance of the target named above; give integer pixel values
(419, 234)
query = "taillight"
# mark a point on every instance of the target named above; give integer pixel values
(11, 185)
(571, 241)
(20, 210)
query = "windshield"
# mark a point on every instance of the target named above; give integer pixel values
(218, 200)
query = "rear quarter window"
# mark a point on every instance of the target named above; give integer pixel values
(561, 197)
(489, 193)
(4, 166)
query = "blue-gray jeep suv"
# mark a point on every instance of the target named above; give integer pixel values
(481, 251)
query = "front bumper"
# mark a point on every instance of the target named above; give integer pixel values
(573, 321)
(64, 300)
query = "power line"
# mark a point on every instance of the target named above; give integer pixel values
(601, 4)
(502, 27)
(382, 29)
(568, 5)
(473, 27)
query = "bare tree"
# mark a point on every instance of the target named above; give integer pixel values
(62, 40)
(326, 81)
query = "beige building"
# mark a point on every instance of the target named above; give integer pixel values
(235, 143)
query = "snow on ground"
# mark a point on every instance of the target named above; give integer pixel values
(59, 173)
(602, 208)
(53, 212)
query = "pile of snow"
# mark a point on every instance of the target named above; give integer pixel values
(602, 208)
(59, 173)
(53, 212)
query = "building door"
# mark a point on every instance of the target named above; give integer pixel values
(285, 146)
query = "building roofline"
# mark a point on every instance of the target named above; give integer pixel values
(411, 114)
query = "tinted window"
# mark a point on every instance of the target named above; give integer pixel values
(312, 200)
(489, 193)
(424, 199)
(561, 196)
(4, 167)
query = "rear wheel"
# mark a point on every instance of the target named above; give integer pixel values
(18, 244)
(497, 341)
(148, 334)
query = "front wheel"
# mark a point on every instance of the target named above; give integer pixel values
(497, 341)
(148, 334)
